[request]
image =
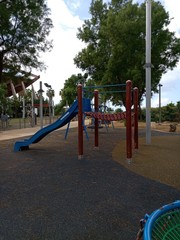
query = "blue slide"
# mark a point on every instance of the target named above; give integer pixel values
(63, 120)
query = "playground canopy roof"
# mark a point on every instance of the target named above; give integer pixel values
(13, 88)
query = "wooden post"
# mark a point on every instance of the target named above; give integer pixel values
(96, 120)
(136, 118)
(80, 123)
(128, 121)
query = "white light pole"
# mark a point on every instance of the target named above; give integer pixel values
(148, 71)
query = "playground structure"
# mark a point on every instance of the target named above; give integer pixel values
(130, 117)
(101, 123)
(82, 106)
(62, 121)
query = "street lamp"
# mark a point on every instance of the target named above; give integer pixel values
(47, 85)
(160, 85)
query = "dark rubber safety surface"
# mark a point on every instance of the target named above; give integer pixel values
(46, 193)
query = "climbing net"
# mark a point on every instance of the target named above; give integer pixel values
(107, 116)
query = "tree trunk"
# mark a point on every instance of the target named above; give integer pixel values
(1, 65)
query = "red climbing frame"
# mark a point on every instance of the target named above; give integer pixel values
(96, 123)
(112, 117)
(80, 123)
(128, 121)
(136, 144)
(107, 116)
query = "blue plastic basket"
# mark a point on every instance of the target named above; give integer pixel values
(163, 223)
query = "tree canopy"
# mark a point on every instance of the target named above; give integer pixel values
(170, 112)
(115, 44)
(24, 29)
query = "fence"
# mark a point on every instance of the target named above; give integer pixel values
(19, 123)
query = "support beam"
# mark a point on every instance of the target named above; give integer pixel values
(128, 121)
(96, 120)
(135, 118)
(13, 89)
(80, 123)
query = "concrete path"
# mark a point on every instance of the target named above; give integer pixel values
(17, 133)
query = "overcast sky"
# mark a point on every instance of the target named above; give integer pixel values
(67, 16)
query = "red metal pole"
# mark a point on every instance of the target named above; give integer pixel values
(80, 123)
(136, 118)
(96, 125)
(128, 121)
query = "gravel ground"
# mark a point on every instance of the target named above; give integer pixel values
(158, 161)
(47, 193)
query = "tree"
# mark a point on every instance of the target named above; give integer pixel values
(69, 92)
(170, 112)
(24, 28)
(94, 58)
(3, 100)
(178, 111)
(115, 44)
